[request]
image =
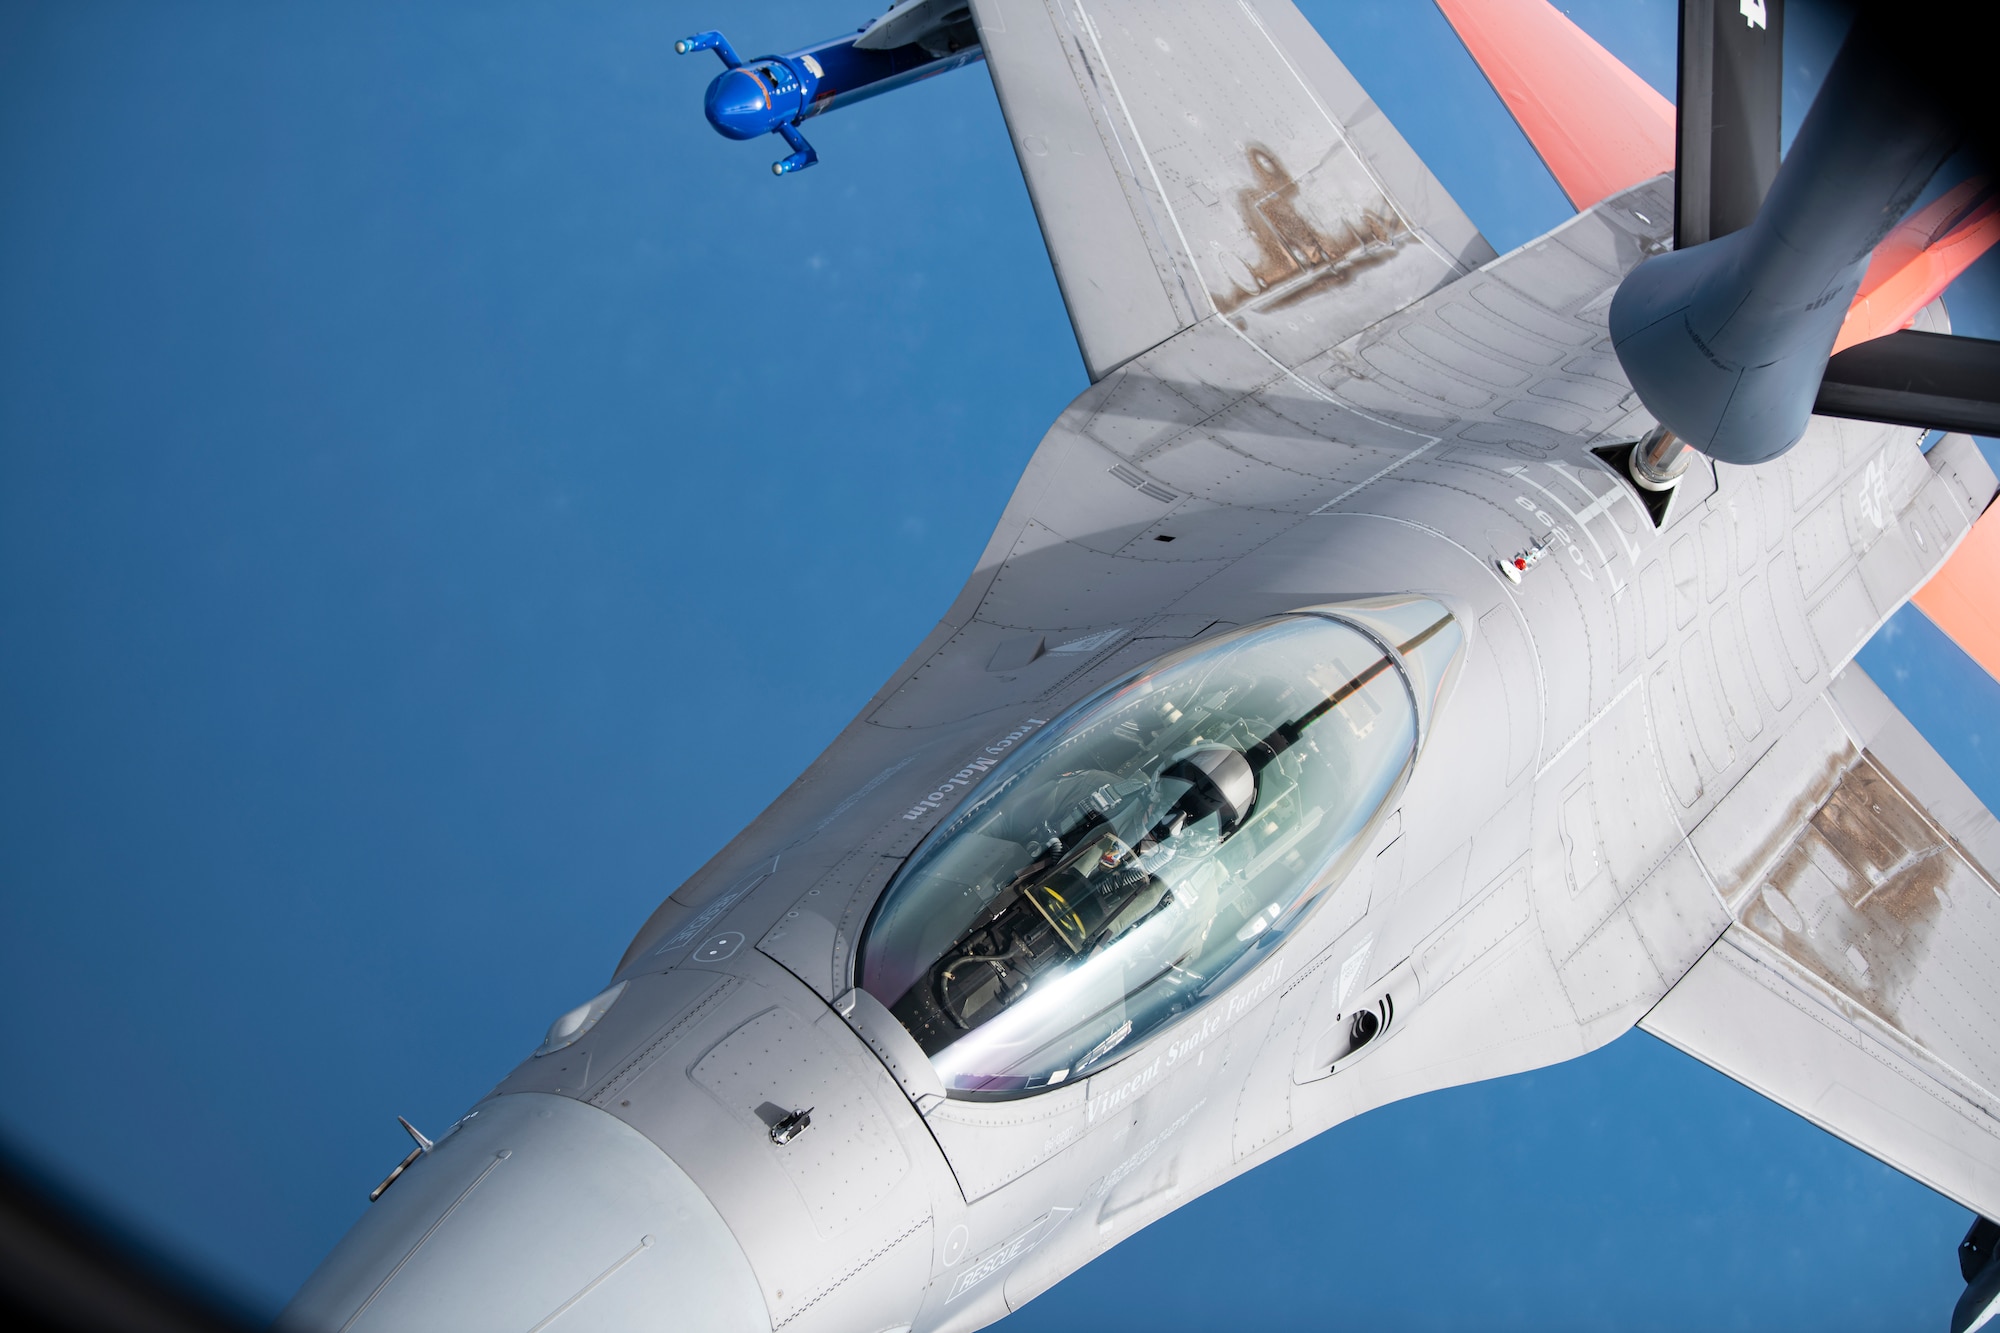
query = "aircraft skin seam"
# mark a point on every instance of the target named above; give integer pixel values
(1485, 565)
(645, 1243)
(1944, 835)
(657, 1048)
(1637, 680)
(1673, 808)
(1879, 1040)
(1646, 876)
(834, 1285)
(1452, 263)
(424, 1240)
(1173, 261)
(1186, 251)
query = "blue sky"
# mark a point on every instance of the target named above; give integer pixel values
(445, 491)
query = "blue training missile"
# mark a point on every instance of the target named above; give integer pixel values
(772, 94)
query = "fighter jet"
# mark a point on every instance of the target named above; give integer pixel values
(1404, 665)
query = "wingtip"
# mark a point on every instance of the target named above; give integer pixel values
(1598, 127)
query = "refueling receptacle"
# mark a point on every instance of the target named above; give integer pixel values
(1660, 460)
(773, 94)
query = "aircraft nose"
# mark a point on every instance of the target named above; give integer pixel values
(538, 1213)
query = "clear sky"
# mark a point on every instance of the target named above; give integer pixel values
(445, 491)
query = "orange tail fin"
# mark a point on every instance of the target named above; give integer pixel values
(1598, 126)
(1963, 597)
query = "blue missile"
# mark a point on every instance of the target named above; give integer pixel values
(773, 94)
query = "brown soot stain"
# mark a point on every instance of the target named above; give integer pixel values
(1800, 810)
(1295, 259)
(1868, 876)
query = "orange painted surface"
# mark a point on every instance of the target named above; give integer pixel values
(1909, 238)
(1598, 126)
(1919, 258)
(1963, 598)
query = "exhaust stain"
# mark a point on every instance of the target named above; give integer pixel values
(1295, 258)
(1867, 881)
(1740, 880)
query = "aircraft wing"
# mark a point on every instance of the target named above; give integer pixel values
(1858, 981)
(1213, 158)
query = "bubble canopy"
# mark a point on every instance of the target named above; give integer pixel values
(1149, 847)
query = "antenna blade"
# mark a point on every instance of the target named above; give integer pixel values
(423, 1144)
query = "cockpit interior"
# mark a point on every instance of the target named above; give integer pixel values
(1144, 850)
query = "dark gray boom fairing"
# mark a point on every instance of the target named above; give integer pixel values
(1727, 341)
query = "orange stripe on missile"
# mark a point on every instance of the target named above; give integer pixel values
(1919, 258)
(1598, 126)
(1963, 597)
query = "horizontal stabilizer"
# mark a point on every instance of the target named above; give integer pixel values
(1859, 981)
(1598, 127)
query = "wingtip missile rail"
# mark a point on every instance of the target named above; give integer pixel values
(773, 94)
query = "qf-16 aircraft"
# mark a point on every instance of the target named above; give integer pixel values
(1404, 665)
